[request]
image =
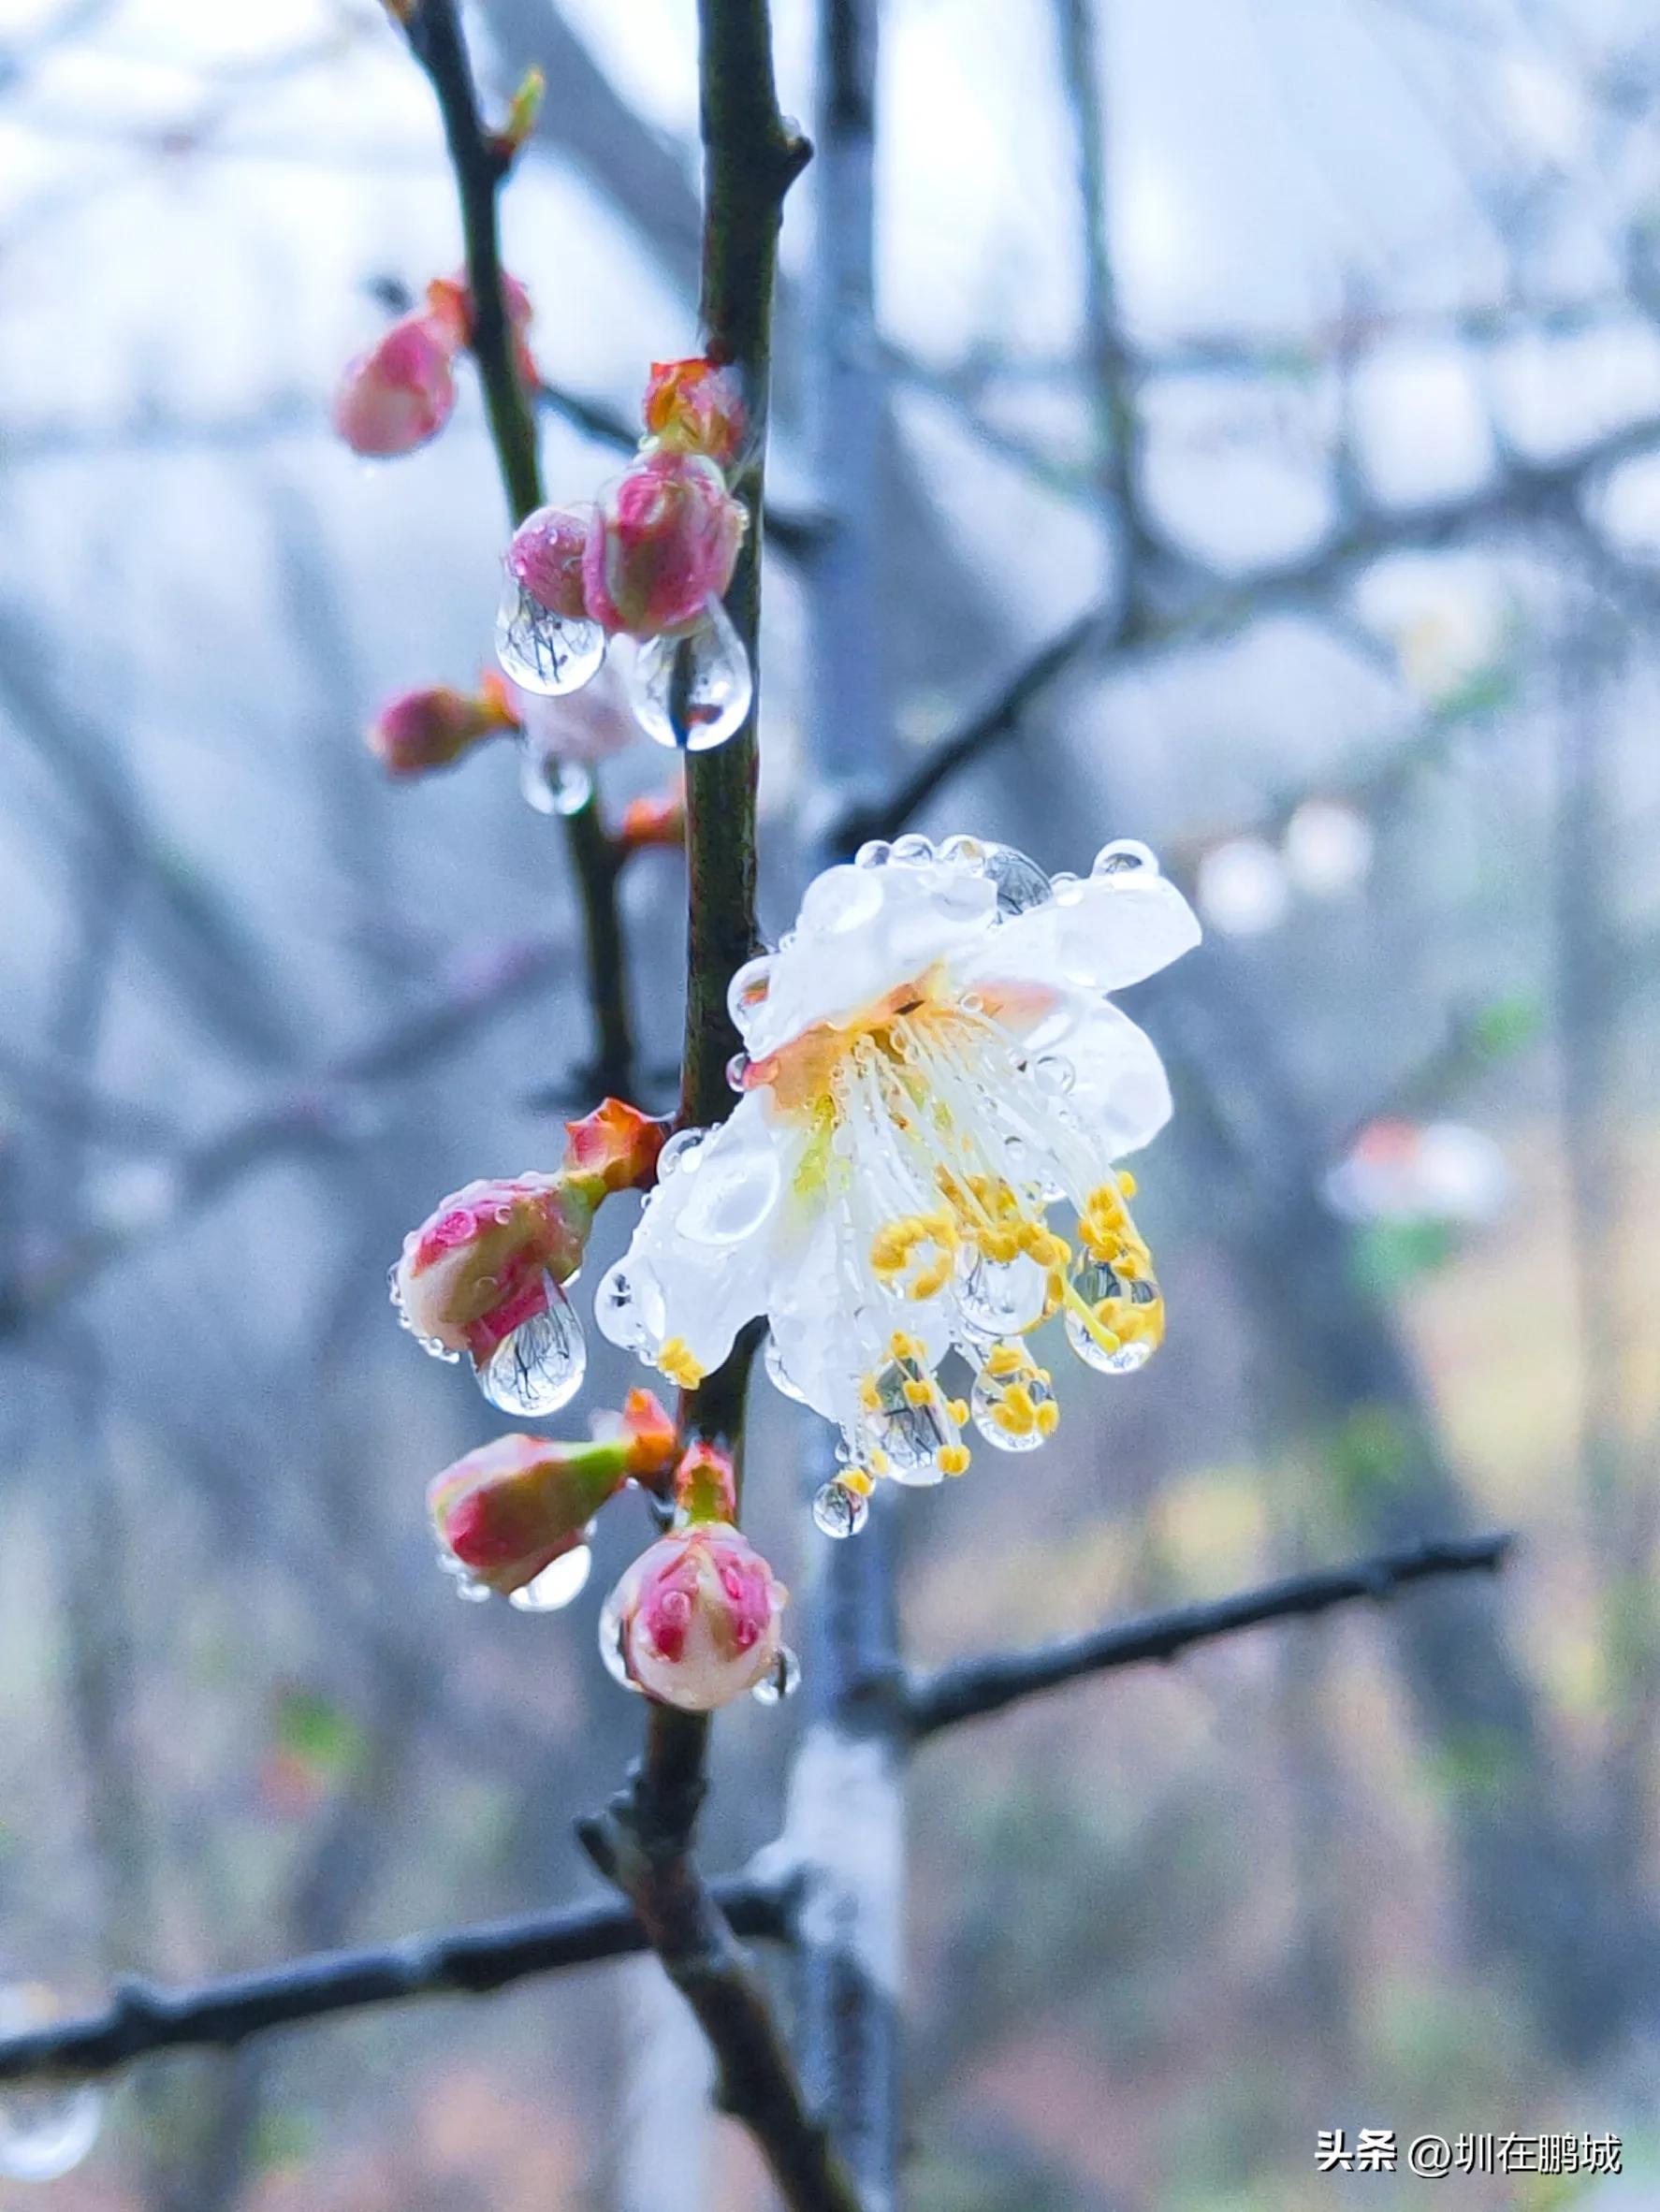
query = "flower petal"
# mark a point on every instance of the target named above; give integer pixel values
(1120, 1091)
(1113, 932)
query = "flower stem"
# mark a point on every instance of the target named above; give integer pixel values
(439, 45)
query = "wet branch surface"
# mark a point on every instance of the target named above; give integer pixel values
(438, 44)
(973, 1687)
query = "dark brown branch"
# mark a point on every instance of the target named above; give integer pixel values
(437, 42)
(971, 1687)
(467, 1961)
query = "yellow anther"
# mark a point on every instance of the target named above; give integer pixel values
(903, 1346)
(918, 1392)
(954, 1459)
(1048, 1417)
(1127, 1183)
(1006, 1359)
(675, 1360)
(958, 1410)
(855, 1479)
(878, 1462)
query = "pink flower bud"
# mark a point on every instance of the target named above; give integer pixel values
(513, 1507)
(475, 1268)
(449, 302)
(655, 818)
(401, 392)
(613, 1148)
(697, 1618)
(546, 559)
(663, 543)
(433, 727)
(694, 407)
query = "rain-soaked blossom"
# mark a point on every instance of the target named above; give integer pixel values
(695, 1620)
(662, 544)
(696, 406)
(933, 1069)
(504, 1513)
(484, 1273)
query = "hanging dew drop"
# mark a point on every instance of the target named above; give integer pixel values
(539, 1367)
(1001, 1297)
(561, 1580)
(1110, 1347)
(611, 1645)
(693, 693)
(549, 784)
(839, 1512)
(1008, 1401)
(542, 651)
(780, 1681)
(47, 2128)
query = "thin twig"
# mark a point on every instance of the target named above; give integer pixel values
(971, 1687)
(437, 41)
(467, 1961)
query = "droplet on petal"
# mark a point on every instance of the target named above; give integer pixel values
(737, 1068)
(964, 852)
(778, 1375)
(1055, 1074)
(780, 1682)
(1118, 1344)
(840, 899)
(615, 1310)
(692, 693)
(539, 1366)
(912, 851)
(746, 992)
(679, 1152)
(549, 784)
(1021, 882)
(840, 1512)
(561, 1580)
(1125, 856)
(542, 651)
(874, 853)
(733, 1197)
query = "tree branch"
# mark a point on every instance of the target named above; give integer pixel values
(437, 41)
(971, 1687)
(467, 1961)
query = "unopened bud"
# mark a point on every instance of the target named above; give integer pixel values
(613, 1148)
(656, 818)
(695, 1620)
(478, 1266)
(663, 543)
(450, 306)
(517, 1503)
(400, 393)
(433, 727)
(696, 407)
(546, 557)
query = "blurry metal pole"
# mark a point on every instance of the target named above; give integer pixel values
(846, 1801)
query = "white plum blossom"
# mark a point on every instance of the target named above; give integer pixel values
(932, 1066)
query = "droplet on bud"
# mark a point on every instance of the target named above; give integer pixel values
(840, 1512)
(781, 1682)
(614, 1643)
(552, 785)
(542, 651)
(561, 1580)
(539, 1366)
(692, 693)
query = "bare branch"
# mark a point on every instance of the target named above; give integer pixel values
(972, 1687)
(467, 1961)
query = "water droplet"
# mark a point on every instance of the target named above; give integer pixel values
(612, 1644)
(46, 2132)
(737, 1068)
(1055, 1074)
(1005, 1401)
(679, 1152)
(746, 992)
(733, 1197)
(840, 1512)
(539, 1366)
(780, 1682)
(909, 1438)
(542, 651)
(874, 853)
(912, 851)
(471, 1590)
(702, 683)
(1021, 882)
(838, 900)
(964, 852)
(778, 1375)
(1001, 1297)
(614, 1308)
(1066, 889)
(549, 784)
(428, 1344)
(1125, 856)
(561, 1580)
(1099, 1283)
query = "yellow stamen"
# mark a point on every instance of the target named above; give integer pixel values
(954, 1459)
(675, 1360)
